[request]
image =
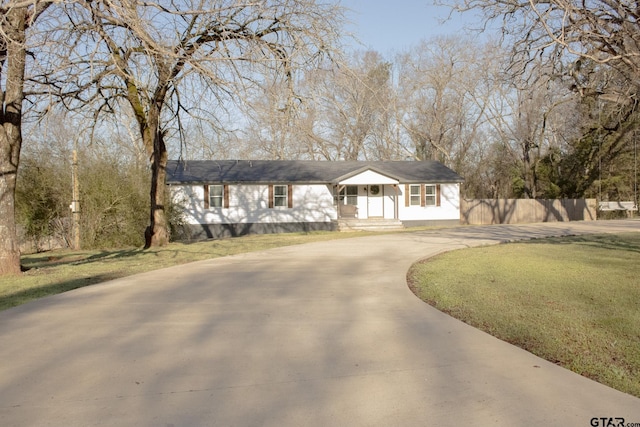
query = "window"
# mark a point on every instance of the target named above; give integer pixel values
(415, 195)
(430, 195)
(280, 196)
(349, 195)
(422, 195)
(216, 196)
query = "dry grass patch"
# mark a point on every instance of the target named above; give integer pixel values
(574, 301)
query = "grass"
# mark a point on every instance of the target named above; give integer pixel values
(573, 301)
(59, 271)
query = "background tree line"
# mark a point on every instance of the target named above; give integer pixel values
(545, 110)
(511, 133)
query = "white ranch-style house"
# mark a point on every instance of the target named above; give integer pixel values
(223, 198)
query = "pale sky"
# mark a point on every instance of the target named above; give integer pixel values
(390, 26)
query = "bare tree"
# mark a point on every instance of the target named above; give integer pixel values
(604, 31)
(168, 61)
(577, 43)
(441, 99)
(530, 115)
(16, 19)
(568, 34)
(274, 129)
(353, 100)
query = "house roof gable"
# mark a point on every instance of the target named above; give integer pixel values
(367, 174)
(302, 171)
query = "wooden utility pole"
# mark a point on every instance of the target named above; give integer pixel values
(75, 203)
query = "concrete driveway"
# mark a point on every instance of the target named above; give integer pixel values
(323, 334)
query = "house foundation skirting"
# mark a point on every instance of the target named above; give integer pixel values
(216, 231)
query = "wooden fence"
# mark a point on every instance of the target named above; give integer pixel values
(520, 211)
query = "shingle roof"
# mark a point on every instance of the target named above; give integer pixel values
(302, 171)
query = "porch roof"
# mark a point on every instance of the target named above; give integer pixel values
(303, 171)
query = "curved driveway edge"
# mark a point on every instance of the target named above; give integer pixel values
(322, 334)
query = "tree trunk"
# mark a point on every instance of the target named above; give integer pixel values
(9, 247)
(527, 172)
(157, 233)
(14, 27)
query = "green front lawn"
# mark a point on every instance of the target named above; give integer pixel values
(573, 301)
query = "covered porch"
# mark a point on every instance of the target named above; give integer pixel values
(367, 200)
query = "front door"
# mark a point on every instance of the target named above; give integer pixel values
(375, 201)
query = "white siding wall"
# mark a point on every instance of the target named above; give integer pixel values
(449, 208)
(311, 203)
(250, 204)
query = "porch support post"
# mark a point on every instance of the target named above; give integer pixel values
(336, 202)
(336, 196)
(395, 202)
